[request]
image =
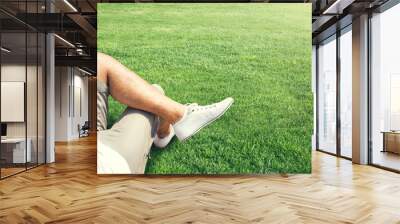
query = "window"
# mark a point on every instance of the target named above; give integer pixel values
(385, 89)
(346, 92)
(327, 95)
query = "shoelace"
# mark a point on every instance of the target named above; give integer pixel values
(195, 107)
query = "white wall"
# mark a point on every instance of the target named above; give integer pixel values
(13, 101)
(61, 103)
(12, 73)
(15, 73)
(81, 103)
(70, 84)
(33, 126)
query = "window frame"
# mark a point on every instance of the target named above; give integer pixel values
(379, 10)
(338, 34)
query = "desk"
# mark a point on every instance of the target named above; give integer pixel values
(391, 141)
(17, 150)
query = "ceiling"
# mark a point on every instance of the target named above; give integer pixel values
(330, 15)
(74, 22)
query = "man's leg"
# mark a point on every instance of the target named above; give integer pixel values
(130, 89)
(124, 148)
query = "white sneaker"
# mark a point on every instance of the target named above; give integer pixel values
(197, 117)
(163, 142)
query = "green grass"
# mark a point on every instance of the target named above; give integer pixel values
(260, 54)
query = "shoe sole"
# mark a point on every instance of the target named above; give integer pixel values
(206, 124)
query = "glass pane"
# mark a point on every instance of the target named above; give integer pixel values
(13, 86)
(32, 98)
(386, 89)
(327, 96)
(346, 93)
(41, 99)
(31, 88)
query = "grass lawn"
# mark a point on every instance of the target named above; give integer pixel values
(260, 54)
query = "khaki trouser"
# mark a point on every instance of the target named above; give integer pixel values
(124, 148)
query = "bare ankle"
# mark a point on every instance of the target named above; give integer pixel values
(173, 113)
(178, 114)
(163, 133)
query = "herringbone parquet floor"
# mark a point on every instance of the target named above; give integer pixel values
(69, 191)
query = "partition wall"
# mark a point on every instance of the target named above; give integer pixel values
(48, 79)
(23, 93)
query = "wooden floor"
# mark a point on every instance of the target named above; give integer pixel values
(387, 159)
(8, 171)
(69, 191)
(11, 170)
